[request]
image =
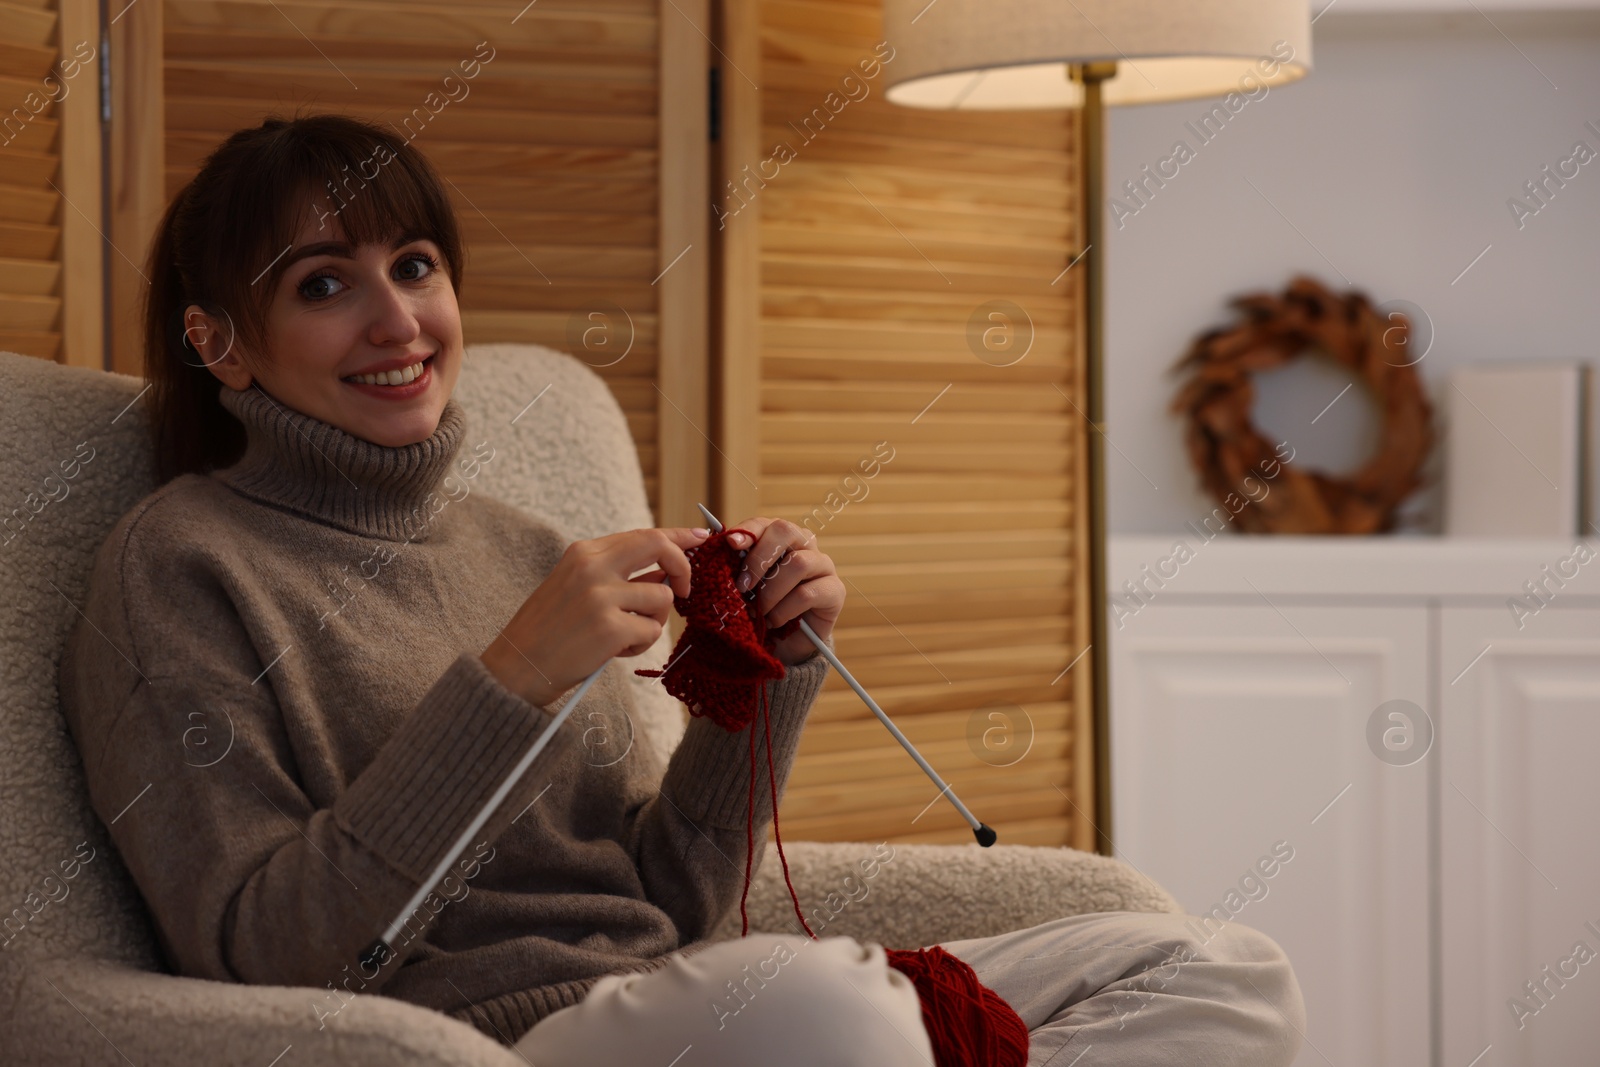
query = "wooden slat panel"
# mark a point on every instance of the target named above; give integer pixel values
(411, 119)
(944, 546)
(805, 116)
(545, 87)
(510, 293)
(1050, 831)
(878, 760)
(223, 43)
(592, 193)
(29, 277)
(1002, 164)
(49, 175)
(940, 458)
(511, 162)
(41, 5)
(848, 738)
(907, 819)
(21, 60)
(842, 305)
(26, 240)
(910, 399)
(572, 34)
(974, 247)
(29, 169)
(30, 343)
(28, 313)
(20, 204)
(964, 429)
(944, 366)
(570, 265)
(963, 281)
(25, 131)
(836, 516)
(894, 609)
(951, 489)
(867, 783)
(882, 241)
(904, 184)
(911, 665)
(27, 25)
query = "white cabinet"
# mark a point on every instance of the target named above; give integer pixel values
(1279, 693)
(1520, 815)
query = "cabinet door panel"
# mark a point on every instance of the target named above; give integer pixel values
(1236, 727)
(1519, 801)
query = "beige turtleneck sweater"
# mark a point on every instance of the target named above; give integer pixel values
(277, 693)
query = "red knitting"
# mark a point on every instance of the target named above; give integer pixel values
(719, 668)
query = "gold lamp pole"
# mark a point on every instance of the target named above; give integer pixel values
(1091, 123)
(1090, 54)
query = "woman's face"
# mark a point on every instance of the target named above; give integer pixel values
(341, 315)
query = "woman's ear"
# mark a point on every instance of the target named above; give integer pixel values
(212, 342)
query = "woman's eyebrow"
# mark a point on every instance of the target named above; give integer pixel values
(342, 249)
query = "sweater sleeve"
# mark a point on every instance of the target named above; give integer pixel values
(191, 770)
(689, 840)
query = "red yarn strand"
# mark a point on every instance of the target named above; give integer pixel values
(749, 837)
(777, 838)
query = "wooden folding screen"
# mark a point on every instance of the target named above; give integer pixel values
(896, 321)
(572, 135)
(50, 281)
(901, 373)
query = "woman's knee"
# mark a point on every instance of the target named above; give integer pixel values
(1268, 977)
(777, 1000)
(835, 991)
(857, 977)
(1230, 966)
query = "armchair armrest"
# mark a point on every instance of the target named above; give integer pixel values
(919, 895)
(92, 1012)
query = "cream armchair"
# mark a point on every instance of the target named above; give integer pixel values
(81, 978)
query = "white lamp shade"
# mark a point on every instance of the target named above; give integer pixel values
(992, 54)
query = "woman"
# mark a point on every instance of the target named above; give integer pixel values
(312, 653)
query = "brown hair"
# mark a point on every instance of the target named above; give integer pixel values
(221, 240)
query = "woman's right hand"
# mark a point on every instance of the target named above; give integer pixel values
(588, 610)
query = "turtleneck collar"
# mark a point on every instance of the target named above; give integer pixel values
(294, 461)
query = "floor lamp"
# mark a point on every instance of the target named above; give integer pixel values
(1088, 54)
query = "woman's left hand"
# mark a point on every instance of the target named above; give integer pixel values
(791, 578)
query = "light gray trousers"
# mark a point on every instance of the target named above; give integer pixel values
(1107, 989)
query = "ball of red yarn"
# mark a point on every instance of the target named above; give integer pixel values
(718, 668)
(968, 1024)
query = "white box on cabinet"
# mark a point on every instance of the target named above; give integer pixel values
(1513, 451)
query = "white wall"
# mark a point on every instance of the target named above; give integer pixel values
(1390, 164)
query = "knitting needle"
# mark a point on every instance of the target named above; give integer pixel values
(984, 833)
(379, 951)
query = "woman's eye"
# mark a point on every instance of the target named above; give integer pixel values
(315, 287)
(425, 262)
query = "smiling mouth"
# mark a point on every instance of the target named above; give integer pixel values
(403, 376)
